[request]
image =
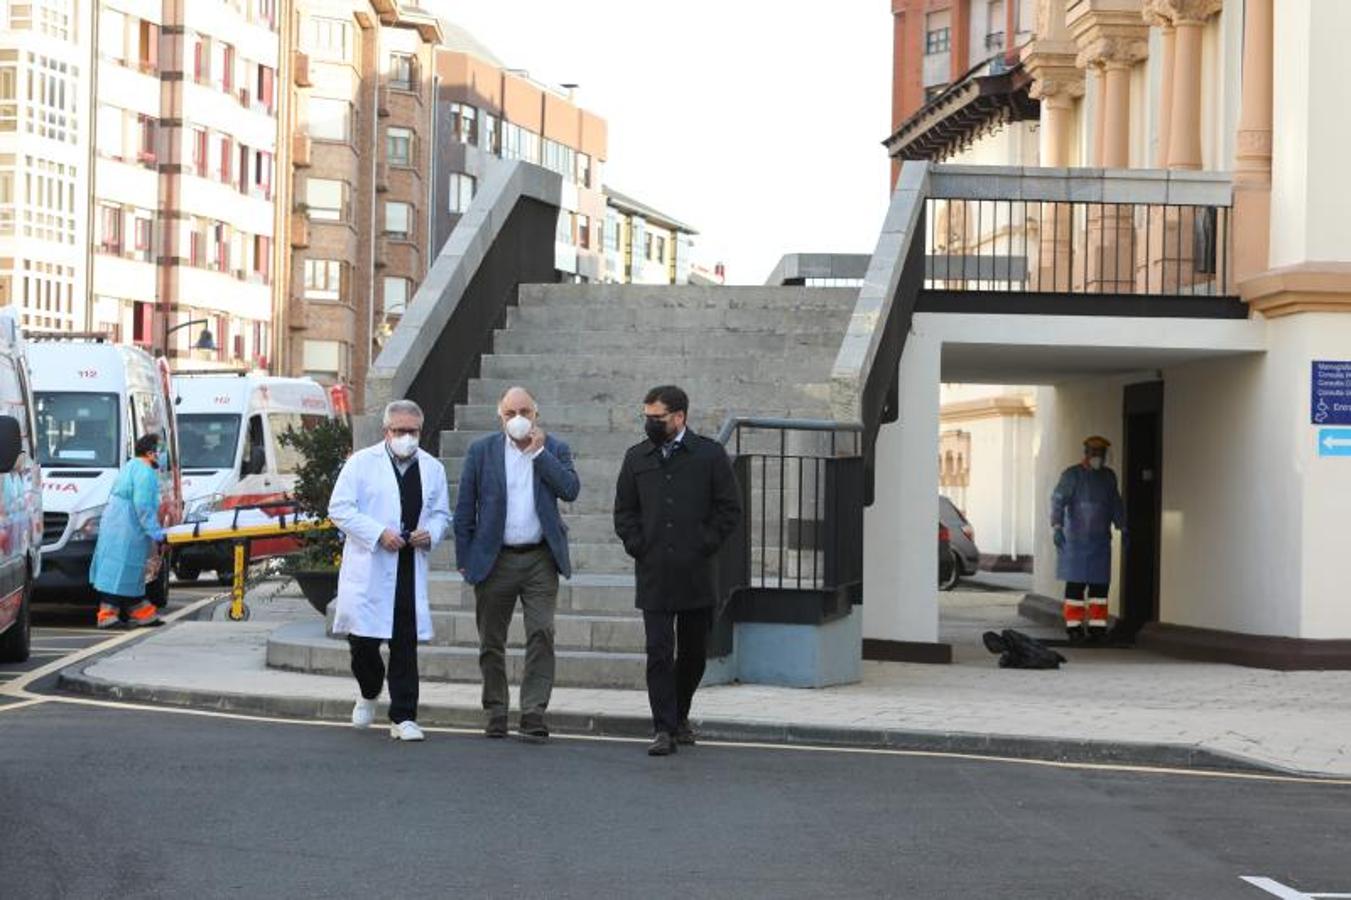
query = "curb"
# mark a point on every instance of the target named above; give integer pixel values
(75, 680)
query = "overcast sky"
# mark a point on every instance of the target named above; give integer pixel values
(758, 122)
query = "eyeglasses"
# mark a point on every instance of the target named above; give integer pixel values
(400, 432)
(656, 418)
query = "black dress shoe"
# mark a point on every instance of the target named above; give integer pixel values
(1076, 634)
(662, 745)
(533, 728)
(497, 727)
(684, 734)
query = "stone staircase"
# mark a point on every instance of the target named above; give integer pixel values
(588, 353)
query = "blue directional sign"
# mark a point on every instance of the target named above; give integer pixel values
(1334, 442)
(1330, 400)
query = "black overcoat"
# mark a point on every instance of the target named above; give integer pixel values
(672, 516)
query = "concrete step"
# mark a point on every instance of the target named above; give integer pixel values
(626, 418)
(815, 343)
(600, 317)
(601, 443)
(527, 368)
(304, 647)
(572, 631)
(593, 471)
(586, 593)
(689, 297)
(593, 557)
(620, 631)
(627, 391)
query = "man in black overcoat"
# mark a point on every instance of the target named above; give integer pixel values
(675, 504)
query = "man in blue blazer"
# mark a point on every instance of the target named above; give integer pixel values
(510, 542)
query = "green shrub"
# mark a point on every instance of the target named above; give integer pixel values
(323, 449)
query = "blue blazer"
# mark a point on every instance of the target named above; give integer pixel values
(481, 508)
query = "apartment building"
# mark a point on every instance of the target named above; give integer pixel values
(361, 228)
(643, 245)
(489, 112)
(182, 218)
(936, 44)
(45, 48)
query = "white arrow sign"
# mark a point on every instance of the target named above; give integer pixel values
(1330, 442)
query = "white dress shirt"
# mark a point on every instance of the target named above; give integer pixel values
(523, 525)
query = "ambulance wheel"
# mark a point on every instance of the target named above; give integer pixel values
(188, 571)
(15, 643)
(157, 591)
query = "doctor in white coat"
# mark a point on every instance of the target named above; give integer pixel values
(391, 503)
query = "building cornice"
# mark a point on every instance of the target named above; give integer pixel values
(1321, 286)
(985, 408)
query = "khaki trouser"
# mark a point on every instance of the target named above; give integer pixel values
(533, 577)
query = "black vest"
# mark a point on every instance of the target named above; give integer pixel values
(410, 495)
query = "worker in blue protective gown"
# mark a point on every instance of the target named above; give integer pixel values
(128, 533)
(1084, 506)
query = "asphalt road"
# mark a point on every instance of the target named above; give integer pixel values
(102, 801)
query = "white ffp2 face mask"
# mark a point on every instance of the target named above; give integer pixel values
(403, 445)
(519, 428)
(1096, 462)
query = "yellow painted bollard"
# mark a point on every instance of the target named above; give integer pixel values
(238, 610)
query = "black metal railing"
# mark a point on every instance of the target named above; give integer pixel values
(797, 556)
(1033, 246)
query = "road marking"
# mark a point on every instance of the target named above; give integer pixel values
(19, 686)
(732, 745)
(1275, 888)
(4, 708)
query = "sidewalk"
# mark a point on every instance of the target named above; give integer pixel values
(1123, 706)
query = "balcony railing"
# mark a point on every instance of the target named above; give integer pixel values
(1008, 240)
(1138, 234)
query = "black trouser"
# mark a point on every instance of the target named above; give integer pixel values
(677, 648)
(1074, 590)
(369, 668)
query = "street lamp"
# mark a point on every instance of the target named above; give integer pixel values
(204, 340)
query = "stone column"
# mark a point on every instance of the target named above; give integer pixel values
(1111, 36)
(1184, 131)
(1116, 133)
(1056, 82)
(1056, 89)
(1252, 158)
(1099, 116)
(1115, 46)
(1155, 15)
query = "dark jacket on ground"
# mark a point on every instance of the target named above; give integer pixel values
(672, 516)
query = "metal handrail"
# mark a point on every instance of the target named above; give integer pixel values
(732, 424)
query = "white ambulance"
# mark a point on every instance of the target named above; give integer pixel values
(92, 401)
(229, 429)
(20, 493)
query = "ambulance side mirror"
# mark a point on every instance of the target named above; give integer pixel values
(11, 443)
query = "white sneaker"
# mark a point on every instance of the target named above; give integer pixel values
(406, 731)
(363, 714)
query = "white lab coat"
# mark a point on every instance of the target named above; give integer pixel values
(365, 502)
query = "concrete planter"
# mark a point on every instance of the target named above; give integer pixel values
(319, 586)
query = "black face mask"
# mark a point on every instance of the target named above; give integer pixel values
(656, 431)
